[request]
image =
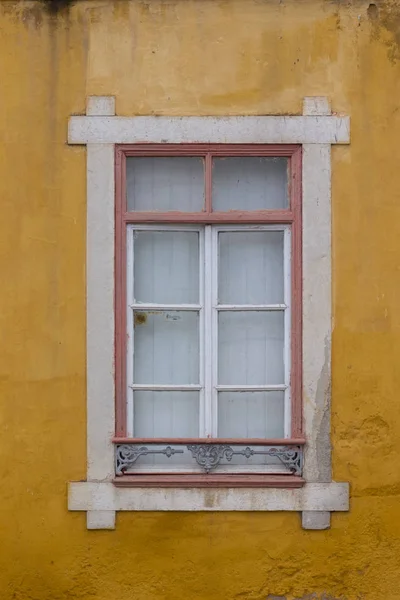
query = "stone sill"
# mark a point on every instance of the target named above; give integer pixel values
(101, 500)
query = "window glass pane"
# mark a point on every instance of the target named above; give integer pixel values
(249, 183)
(166, 414)
(250, 348)
(166, 267)
(166, 347)
(165, 183)
(251, 414)
(250, 267)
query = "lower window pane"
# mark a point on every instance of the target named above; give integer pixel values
(251, 415)
(166, 414)
(250, 348)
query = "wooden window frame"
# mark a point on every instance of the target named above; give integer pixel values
(290, 216)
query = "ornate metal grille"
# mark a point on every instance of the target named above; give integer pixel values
(210, 456)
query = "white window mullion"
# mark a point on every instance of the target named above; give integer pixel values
(202, 336)
(214, 328)
(130, 330)
(208, 345)
(287, 249)
(250, 307)
(173, 307)
(160, 387)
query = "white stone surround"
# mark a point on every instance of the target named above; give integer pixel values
(316, 130)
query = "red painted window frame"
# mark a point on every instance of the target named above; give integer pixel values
(292, 215)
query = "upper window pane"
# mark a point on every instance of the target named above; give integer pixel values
(250, 267)
(166, 267)
(165, 183)
(249, 183)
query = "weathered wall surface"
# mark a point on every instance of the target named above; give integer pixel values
(193, 57)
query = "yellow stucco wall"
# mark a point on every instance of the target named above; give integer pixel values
(193, 57)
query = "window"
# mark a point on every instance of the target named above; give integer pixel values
(225, 146)
(208, 310)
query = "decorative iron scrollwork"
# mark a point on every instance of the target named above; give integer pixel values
(209, 456)
(126, 455)
(290, 456)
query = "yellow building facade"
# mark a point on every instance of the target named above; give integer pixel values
(193, 58)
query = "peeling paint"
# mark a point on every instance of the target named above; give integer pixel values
(322, 414)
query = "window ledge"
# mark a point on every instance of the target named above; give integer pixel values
(101, 500)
